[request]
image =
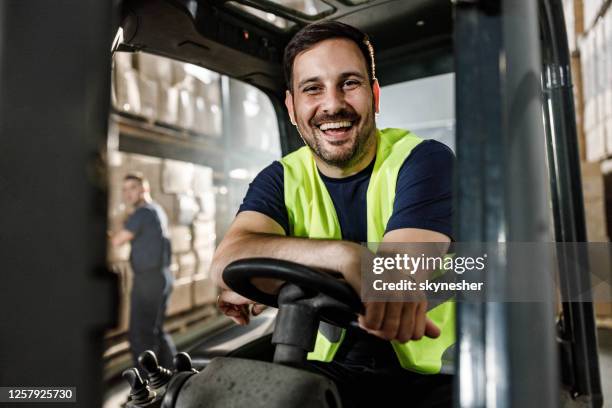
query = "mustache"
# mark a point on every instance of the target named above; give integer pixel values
(342, 115)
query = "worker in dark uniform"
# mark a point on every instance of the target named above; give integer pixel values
(147, 231)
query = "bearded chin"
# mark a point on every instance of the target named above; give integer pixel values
(343, 158)
(346, 157)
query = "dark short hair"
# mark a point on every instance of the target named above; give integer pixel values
(314, 33)
(137, 176)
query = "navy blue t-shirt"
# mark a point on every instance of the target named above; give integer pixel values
(150, 246)
(423, 199)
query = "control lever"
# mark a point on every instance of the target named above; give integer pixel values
(183, 370)
(140, 393)
(158, 376)
(182, 362)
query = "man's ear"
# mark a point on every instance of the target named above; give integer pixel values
(289, 105)
(376, 91)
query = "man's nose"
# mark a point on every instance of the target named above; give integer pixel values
(334, 101)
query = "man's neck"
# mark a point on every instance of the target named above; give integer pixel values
(144, 201)
(346, 171)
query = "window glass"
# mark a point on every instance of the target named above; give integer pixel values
(168, 92)
(164, 107)
(252, 136)
(424, 106)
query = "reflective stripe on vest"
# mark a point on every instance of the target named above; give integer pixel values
(312, 214)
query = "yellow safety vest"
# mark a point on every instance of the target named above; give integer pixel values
(312, 215)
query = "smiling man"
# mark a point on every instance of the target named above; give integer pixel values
(351, 183)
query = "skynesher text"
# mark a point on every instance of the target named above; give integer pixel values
(429, 286)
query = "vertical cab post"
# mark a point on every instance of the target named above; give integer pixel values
(506, 351)
(577, 332)
(57, 297)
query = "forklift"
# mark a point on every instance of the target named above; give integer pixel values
(517, 180)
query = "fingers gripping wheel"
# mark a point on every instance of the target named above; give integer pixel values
(306, 297)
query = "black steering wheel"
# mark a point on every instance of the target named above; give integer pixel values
(333, 300)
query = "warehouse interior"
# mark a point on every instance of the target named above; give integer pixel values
(201, 180)
(200, 136)
(156, 99)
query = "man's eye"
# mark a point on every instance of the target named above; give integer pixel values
(351, 83)
(311, 89)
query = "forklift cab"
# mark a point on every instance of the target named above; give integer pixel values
(517, 180)
(503, 80)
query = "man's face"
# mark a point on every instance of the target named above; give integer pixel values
(333, 103)
(133, 192)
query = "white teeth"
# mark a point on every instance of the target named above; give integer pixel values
(334, 125)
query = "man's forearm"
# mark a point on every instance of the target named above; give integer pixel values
(339, 256)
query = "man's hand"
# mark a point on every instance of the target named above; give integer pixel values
(237, 307)
(401, 321)
(121, 237)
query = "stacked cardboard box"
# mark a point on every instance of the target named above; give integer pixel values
(591, 9)
(207, 96)
(181, 298)
(594, 203)
(607, 51)
(161, 90)
(596, 58)
(596, 53)
(177, 177)
(570, 23)
(126, 90)
(204, 235)
(593, 101)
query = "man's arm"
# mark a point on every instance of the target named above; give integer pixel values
(404, 321)
(122, 237)
(132, 227)
(253, 234)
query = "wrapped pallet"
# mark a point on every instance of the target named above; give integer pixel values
(602, 80)
(149, 97)
(127, 91)
(594, 204)
(187, 264)
(180, 238)
(594, 128)
(570, 23)
(168, 105)
(186, 208)
(607, 24)
(177, 177)
(156, 68)
(181, 299)
(591, 11)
